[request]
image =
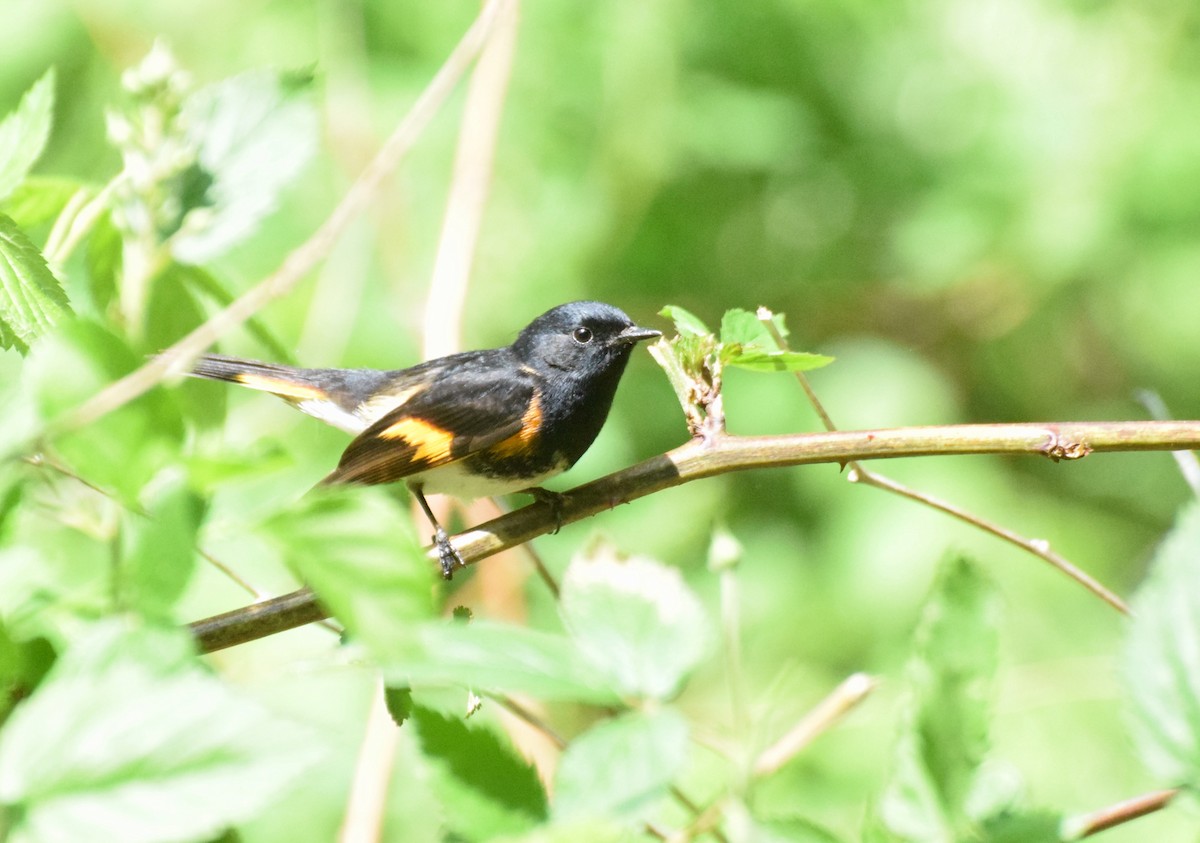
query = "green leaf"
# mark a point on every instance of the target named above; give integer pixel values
(23, 663)
(23, 133)
(485, 787)
(945, 731)
(741, 327)
(39, 199)
(742, 826)
(123, 450)
(636, 621)
(1024, 827)
(399, 703)
(159, 546)
(621, 768)
(31, 299)
(775, 361)
(582, 831)
(356, 549)
(129, 738)
(496, 657)
(686, 323)
(1162, 657)
(254, 133)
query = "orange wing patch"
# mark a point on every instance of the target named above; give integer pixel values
(431, 443)
(521, 441)
(290, 390)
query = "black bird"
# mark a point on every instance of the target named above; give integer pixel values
(471, 424)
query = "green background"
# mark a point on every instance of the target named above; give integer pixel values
(987, 211)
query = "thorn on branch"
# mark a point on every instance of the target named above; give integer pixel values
(1061, 448)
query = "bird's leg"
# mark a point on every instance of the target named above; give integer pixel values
(447, 555)
(554, 500)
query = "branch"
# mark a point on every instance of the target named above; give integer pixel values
(725, 453)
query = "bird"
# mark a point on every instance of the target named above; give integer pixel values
(473, 424)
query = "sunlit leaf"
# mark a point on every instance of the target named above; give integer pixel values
(1162, 657)
(636, 621)
(129, 738)
(159, 545)
(31, 299)
(621, 768)
(686, 323)
(254, 133)
(355, 548)
(491, 656)
(39, 199)
(23, 133)
(776, 361)
(485, 786)
(944, 735)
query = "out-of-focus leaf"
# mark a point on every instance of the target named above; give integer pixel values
(686, 324)
(496, 657)
(485, 787)
(123, 450)
(23, 133)
(22, 666)
(399, 703)
(159, 545)
(39, 199)
(31, 299)
(1162, 657)
(103, 260)
(129, 738)
(253, 133)
(621, 768)
(356, 549)
(945, 731)
(741, 826)
(634, 620)
(582, 831)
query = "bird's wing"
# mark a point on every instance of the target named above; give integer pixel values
(486, 402)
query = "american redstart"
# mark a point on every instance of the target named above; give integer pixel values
(472, 424)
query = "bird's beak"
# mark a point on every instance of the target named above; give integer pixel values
(634, 334)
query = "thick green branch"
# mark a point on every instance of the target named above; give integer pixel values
(698, 459)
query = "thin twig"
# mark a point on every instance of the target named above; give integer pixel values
(695, 460)
(1086, 825)
(486, 92)
(827, 713)
(860, 474)
(302, 259)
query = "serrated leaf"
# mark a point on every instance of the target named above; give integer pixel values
(159, 545)
(775, 361)
(23, 133)
(944, 734)
(129, 738)
(621, 768)
(31, 299)
(687, 324)
(254, 133)
(356, 550)
(485, 787)
(498, 657)
(635, 621)
(1162, 657)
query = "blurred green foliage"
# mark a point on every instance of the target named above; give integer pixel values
(986, 211)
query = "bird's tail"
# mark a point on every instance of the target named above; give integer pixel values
(287, 382)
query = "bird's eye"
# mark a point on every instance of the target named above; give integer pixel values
(582, 335)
